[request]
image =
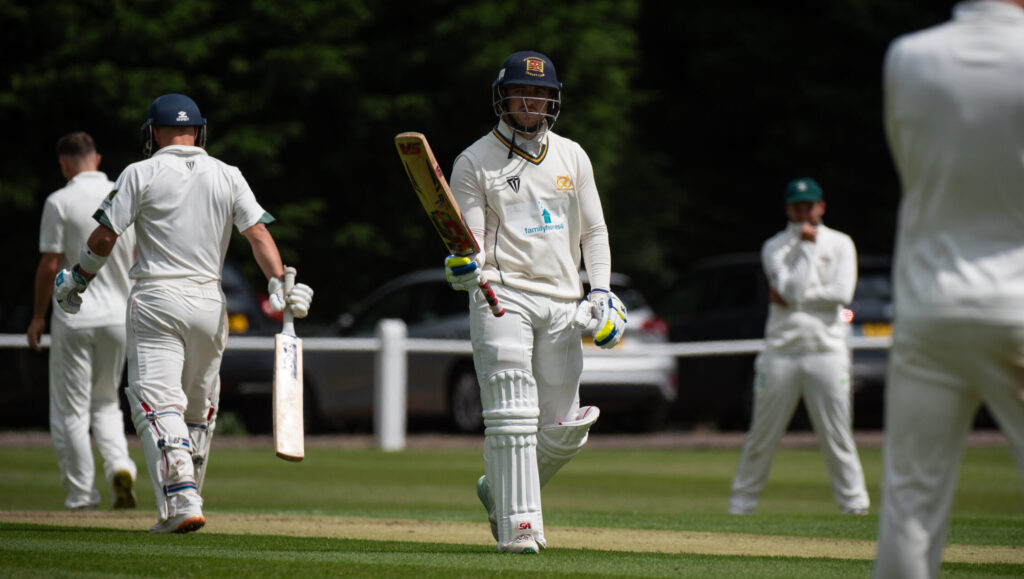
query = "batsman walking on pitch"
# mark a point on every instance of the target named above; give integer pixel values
(812, 273)
(954, 117)
(87, 351)
(183, 203)
(529, 195)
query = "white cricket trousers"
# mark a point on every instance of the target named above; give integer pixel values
(939, 373)
(528, 363)
(823, 381)
(176, 336)
(86, 366)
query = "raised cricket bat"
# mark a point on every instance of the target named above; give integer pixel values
(432, 189)
(288, 421)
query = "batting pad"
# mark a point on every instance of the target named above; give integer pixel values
(510, 454)
(557, 444)
(168, 450)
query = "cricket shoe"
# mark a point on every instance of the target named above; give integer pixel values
(523, 545)
(183, 523)
(485, 497)
(855, 510)
(124, 490)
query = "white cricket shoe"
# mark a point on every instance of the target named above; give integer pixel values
(124, 490)
(484, 495)
(523, 545)
(187, 509)
(855, 510)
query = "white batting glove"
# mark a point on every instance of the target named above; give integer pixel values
(610, 313)
(462, 273)
(299, 299)
(66, 289)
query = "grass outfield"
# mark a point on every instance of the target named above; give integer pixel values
(622, 512)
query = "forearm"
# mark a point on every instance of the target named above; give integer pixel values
(264, 249)
(45, 273)
(790, 272)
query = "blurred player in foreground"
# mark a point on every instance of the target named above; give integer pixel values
(529, 196)
(954, 117)
(86, 351)
(183, 203)
(812, 273)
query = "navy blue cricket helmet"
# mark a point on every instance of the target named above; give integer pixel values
(172, 110)
(529, 68)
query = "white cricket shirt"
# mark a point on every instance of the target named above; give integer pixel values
(954, 117)
(816, 279)
(535, 214)
(66, 225)
(183, 203)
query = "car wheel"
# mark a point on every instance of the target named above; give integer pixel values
(464, 407)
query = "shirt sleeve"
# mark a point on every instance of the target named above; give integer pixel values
(51, 228)
(789, 269)
(121, 207)
(471, 199)
(593, 231)
(247, 210)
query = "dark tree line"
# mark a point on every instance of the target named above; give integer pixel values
(695, 115)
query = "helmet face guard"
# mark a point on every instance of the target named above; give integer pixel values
(172, 110)
(527, 68)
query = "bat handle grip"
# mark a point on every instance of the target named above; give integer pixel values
(289, 318)
(492, 300)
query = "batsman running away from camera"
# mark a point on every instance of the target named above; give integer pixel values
(529, 195)
(183, 204)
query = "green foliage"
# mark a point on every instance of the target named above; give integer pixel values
(692, 113)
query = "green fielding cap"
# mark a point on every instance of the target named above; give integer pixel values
(803, 189)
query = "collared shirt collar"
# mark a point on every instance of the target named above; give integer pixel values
(180, 150)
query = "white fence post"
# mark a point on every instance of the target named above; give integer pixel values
(389, 386)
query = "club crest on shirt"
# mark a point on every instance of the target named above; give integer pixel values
(513, 182)
(111, 195)
(563, 183)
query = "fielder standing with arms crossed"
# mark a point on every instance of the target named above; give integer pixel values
(812, 274)
(529, 196)
(954, 117)
(87, 350)
(183, 204)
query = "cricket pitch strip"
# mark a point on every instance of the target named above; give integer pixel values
(606, 539)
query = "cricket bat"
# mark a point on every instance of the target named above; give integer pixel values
(432, 189)
(288, 421)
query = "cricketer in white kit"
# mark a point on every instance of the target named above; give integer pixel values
(183, 204)
(812, 274)
(954, 117)
(87, 351)
(529, 195)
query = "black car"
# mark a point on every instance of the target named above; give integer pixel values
(726, 298)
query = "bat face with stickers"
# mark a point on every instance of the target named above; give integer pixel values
(434, 194)
(288, 420)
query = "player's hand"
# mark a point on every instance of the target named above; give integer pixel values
(35, 333)
(809, 232)
(610, 313)
(299, 299)
(775, 298)
(462, 273)
(67, 286)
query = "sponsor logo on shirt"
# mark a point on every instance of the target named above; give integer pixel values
(513, 182)
(111, 196)
(563, 183)
(547, 224)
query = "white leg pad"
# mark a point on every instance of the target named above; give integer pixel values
(510, 454)
(201, 436)
(168, 449)
(557, 444)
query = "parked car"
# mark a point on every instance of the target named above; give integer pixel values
(635, 392)
(726, 298)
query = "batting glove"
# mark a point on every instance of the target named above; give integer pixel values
(462, 273)
(299, 299)
(610, 313)
(66, 289)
